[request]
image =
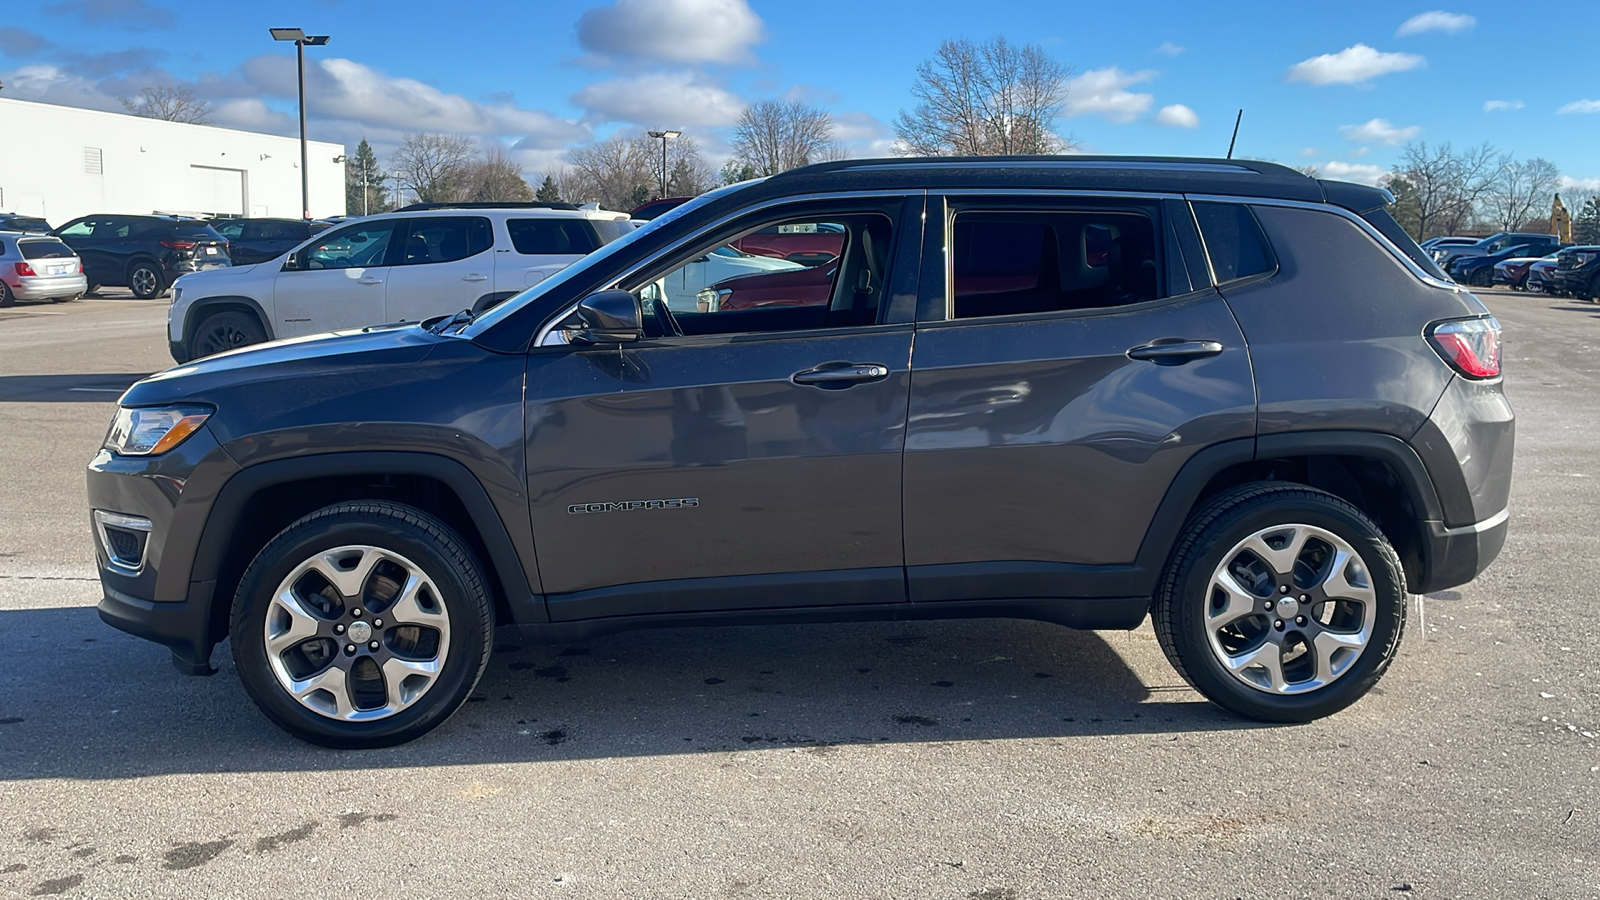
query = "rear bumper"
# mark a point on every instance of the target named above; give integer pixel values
(1458, 555)
(47, 287)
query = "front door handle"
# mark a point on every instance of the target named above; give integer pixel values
(838, 375)
(1175, 351)
(369, 280)
(474, 277)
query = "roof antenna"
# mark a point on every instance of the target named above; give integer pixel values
(1235, 133)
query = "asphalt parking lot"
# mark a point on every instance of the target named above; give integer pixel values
(987, 760)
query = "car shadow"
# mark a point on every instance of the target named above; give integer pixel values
(87, 388)
(81, 700)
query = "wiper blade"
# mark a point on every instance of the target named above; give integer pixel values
(462, 318)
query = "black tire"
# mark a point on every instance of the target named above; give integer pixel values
(146, 280)
(1179, 611)
(91, 290)
(6, 298)
(222, 331)
(395, 528)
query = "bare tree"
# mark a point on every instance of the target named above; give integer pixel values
(174, 104)
(621, 173)
(496, 177)
(1520, 191)
(984, 100)
(1446, 187)
(435, 166)
(774, 136)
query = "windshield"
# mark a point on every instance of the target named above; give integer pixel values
(488, 319)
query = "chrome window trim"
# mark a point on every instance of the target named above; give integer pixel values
(1332, 209)
(540, 336)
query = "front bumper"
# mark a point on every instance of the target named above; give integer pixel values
(1572, 280)
(48, 287)
(156, 599)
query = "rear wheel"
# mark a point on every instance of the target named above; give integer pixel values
(6, 297)
(1283, 603)
(146, 281)
(225, 331)
(364, 624)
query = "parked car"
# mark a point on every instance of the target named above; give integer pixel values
(807, 243)
(252, 241)
(145, 254)
(1513, 272)
(1477, 268)
(1493, 245)
(683, 286)
(1155, 418)
(1541, 275)
(1577, 271)
(399, 267)
(19, 222)
(1433, 242)
(38, 267)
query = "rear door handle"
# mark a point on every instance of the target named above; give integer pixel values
(837, 375)
(1175, 351)
(474, 277)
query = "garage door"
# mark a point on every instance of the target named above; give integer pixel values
(219, 191)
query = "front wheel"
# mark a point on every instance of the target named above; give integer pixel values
(364, 624)
(225, 331)
(146, 281)
(1282, 603)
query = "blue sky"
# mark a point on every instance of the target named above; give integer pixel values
(1341, 87)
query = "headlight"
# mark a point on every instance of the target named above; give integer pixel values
(177, 294)
(147, 432)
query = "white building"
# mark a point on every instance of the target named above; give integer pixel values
(60, 162)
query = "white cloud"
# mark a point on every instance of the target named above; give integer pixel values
(1309, 151)
(1582, 186)
(1359, 152)
(1178, 116)
(1170, 49)
(250, 114)
(1104, 92)
(661, 99)
(1353, 65)
(1360, 173)
(675, 31)
(1379, 131)
(1580, 106)
(1437, 20)
(859, 126)
(1502, 105)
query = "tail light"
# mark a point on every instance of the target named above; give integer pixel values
(80, 267)
(25, 269)
(178, 245)
(1470, 346)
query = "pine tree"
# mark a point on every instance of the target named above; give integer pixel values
(548, 193)
(363, 183)
(1586, 224)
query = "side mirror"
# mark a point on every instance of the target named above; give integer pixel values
(607, 317)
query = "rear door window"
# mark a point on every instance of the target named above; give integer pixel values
(553, 237)
(1033, 261)
(445, 239)
(1234, 241)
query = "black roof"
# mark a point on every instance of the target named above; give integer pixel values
(1164, 174)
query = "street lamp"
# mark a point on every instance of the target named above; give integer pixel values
(301, 39)
(664, 136)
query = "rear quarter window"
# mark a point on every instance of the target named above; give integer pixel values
(1234, 241)
(552, 237)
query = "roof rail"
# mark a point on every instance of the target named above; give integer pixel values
(1065, 161)
(492, 204)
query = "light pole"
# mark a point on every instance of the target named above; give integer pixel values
(301, 39)
(664, 136)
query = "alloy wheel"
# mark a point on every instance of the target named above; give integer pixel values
(223, 336)
(357, 633)
(1290, 609)
(144, 281)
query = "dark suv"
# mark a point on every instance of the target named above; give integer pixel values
(143, 253)
(1083, 390)
(1577, 272)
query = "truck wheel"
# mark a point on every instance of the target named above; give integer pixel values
(1282, 603)
(363, 624)
(225, 331)
(146, 281)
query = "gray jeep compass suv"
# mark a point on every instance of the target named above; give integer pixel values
(1083, 390)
